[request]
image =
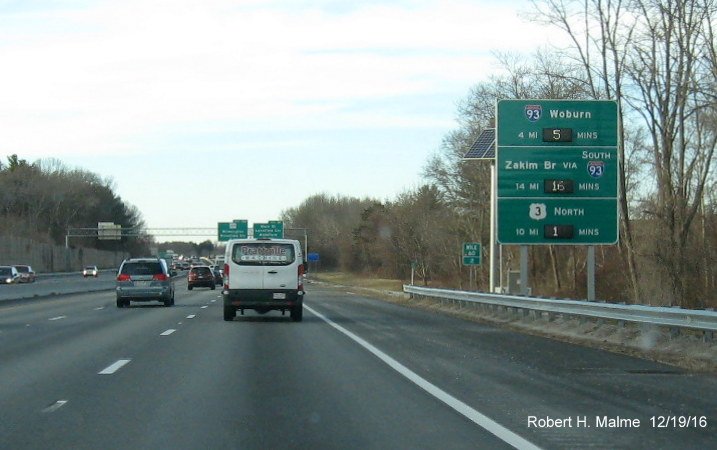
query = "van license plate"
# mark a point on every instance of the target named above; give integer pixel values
(142, 283)
(279, 296)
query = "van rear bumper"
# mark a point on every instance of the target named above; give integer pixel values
(262, 298)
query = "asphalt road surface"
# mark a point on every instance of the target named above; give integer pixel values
(77, 372)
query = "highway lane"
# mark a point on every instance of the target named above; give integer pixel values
(258, 382)
(182, 377)
(53, 284)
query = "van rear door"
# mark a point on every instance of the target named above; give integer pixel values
(264, 265)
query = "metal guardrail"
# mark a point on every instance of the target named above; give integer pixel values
(654, 315)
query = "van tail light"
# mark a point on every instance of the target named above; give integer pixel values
(160, 277)
(226, 276)
(301, 277)
(123, 277)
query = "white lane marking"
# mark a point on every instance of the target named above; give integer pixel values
(55, 406)
(473, 415)
(100, 308)
(58, 318)
(191, 316)
(168, 332)
(112, 368)
(205, 307)
(214, 300)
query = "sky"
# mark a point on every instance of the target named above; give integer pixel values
(206, 111)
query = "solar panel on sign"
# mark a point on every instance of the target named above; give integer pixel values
(483, 147)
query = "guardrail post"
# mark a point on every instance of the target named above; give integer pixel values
(708, 336)
(674, 332)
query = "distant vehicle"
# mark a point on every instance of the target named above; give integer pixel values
(27, 275)
(200, 276)
(144, 279)
(218, 275)
(90, 271)
(9, 275)
(263, 275)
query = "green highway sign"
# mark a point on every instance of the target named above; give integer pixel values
(273, 229)
(558, 221)
(471, 253)
(557, 172)
(238, 229)
(547, 123)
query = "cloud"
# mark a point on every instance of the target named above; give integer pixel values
(104, 75)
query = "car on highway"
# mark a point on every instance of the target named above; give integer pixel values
(144, 279)
(9, 275)
(27, 275)
(218, 275)
(90, 271)
(201, 276)
(263, 275)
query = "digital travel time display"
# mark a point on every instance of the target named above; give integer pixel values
(558, 186)
(557, 135)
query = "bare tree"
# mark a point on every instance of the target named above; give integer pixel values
(672, 69)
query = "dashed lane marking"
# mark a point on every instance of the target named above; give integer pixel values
(114, 367)
(55, 406)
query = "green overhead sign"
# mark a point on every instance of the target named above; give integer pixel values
(238, 229)
(274, 229)
(557, 172)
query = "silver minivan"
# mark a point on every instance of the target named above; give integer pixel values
(263, 275)
(144, 279)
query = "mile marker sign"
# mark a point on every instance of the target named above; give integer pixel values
(471, 254)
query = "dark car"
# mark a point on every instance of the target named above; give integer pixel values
(9, 275)
(200, 276)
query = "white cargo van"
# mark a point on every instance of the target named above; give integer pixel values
(263, 275)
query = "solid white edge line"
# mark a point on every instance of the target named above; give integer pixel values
(168, 332)
(473, 415)
(112, 368)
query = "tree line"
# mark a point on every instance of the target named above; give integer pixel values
(44, 199)
(658, 60)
